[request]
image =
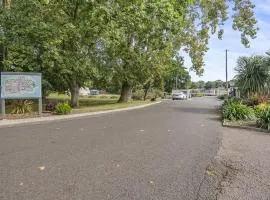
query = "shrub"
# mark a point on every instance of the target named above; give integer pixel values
(223, 96)
(50, 106)
(263, 117)
(138, 94)
(63, 108)
(256, 100)
(22, 107)
(259, 109)
(236, 111)
(157, 93)
(236, 100)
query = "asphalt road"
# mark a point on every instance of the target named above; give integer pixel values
(155, 153)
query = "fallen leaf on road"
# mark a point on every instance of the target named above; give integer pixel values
(41, 168)
(209, 173)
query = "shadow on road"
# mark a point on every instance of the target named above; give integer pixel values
(218, 118)
(197, 110)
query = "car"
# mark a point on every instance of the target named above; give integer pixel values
(179, 96)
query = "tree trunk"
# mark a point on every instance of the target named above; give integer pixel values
(126, 93)
(74, 90)
(6, 3)
(145, 93)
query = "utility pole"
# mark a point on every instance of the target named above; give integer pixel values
(227, 84)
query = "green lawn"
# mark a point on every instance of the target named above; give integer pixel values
(101, 105)
(87, 104)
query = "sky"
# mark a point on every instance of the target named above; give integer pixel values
(214, 68)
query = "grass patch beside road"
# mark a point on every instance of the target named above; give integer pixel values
(107, 105)
(97, 102)
(87, 104)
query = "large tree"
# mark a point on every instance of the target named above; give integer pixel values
(130, 42)
(56, 38)
(145, 32)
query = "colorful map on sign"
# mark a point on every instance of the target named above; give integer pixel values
(20, 86)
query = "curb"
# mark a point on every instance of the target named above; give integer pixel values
(228, 125)
(30, 121)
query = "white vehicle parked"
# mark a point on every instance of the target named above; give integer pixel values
(179, 96)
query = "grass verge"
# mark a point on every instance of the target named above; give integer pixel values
(87, 104)
(103, 105)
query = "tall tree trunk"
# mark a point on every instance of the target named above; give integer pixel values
(3, 52)
(1, 69)
(145, 93)
(6, 3)
(146, 90)
(74, 90)
(126, 93)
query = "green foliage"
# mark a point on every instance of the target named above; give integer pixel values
(157, 93)
(252, 75)
(176, 76)
(114, 97)
(63, 108)
(153, 93)
(263, 116)
(114, 42)
(236, 111)
(51, 105)
(21, 107)
(209, 85)
(255, 100)
(138, 94)
(259, 109)
(198, 85)
(104, 97)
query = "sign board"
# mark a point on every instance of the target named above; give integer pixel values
(17, 85)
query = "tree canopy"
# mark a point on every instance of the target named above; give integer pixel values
(127, 43)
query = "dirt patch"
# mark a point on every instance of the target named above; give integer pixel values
(241, 169)
(217, 175)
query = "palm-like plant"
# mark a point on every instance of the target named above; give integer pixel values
(252, 74)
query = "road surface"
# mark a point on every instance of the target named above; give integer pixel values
(156, 153)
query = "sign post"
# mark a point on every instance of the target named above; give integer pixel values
(3, 108)
(20, 85)
(1, 100)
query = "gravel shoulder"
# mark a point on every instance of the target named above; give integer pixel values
(241, 169)
(246, 154)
